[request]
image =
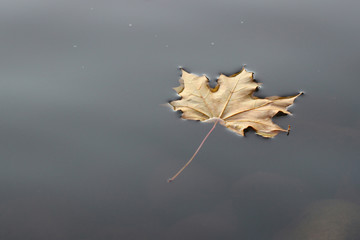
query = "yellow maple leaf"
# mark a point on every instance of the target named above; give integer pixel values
(231, 103)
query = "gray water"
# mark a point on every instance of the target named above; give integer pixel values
(87, 144)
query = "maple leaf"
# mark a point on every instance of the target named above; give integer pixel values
(231, 103)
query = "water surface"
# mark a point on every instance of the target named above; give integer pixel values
(86, 145)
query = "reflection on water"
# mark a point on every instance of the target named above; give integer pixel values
(87, 147)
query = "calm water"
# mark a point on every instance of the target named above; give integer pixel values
(86, 145)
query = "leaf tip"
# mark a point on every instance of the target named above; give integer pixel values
(184, 73)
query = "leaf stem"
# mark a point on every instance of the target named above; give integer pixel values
(197, 150)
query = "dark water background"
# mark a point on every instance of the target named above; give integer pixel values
(86, 146)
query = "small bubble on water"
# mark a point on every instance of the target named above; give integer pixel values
(91, 8)
(156, 35)
(242, 22)
(130, 25)
(75, 46)
(83, 67)
(166, 45)
(212, 43)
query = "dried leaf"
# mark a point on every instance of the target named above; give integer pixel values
(231, 102)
